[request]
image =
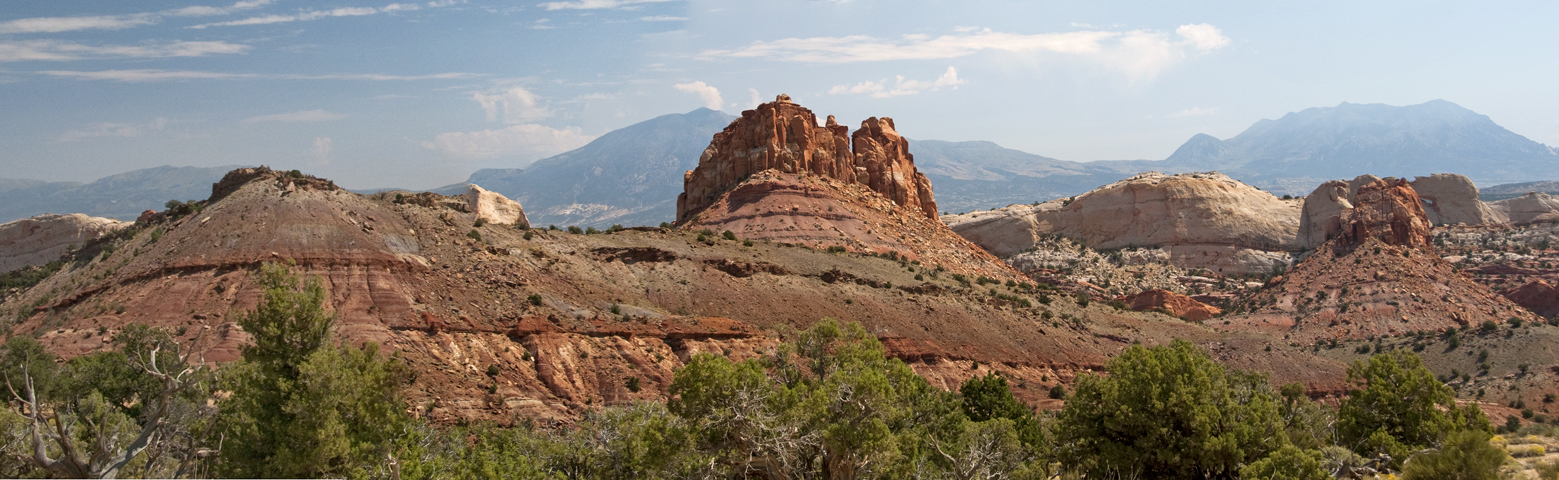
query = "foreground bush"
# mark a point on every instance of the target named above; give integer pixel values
(1169, 412)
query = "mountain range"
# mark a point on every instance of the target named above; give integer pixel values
(123, 196)
(632, 176)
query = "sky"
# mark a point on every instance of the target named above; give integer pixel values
(420, 94)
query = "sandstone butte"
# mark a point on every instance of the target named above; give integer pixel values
(38, 240)
(775, 174)
(1379, 274)
(784, 136)
(1201, 220)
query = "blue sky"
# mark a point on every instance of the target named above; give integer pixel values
(420, 94)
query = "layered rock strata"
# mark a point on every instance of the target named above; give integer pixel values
(44, 238)
(786, 137)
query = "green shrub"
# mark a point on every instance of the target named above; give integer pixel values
(1168, 412)
(1288, 463)
(1465, 455)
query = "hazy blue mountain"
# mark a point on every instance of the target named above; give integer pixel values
(981, 175)
(629, 176)
(123, 196)
(1303, 148)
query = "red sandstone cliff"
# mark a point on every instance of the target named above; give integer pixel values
(1388, 210)
(786, 137)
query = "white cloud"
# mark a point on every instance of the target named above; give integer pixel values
(203, 11)
(527, 142)
(153, 75)
(710, 95)
(56, 50)
(593, 4)
(880, 89)
(1203, 36)
(309, 15)
(324, 149)
(1194, 112)
(71, 24)
(518, 105)
(662, 18)
(1139, 53)
(755, 100)
(124, 130)
(299, 116)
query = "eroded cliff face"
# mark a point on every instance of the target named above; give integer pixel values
(786, 137)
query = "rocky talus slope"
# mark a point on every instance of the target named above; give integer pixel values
(569, 319)
(1200, 220)
(41, 239)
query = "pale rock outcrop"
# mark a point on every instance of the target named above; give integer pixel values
(41, 239)
(1321, 218)
(1534, 207)
(1203, 220)
(1450, 199)
(784, 136)
(493, 207)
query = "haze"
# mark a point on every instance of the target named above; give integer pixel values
(417, 95)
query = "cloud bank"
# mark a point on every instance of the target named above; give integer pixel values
(1138, 53)
(526, 142)
(901, 86)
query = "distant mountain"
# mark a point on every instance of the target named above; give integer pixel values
(1294, 153)
(123, 196)
(1513, 190)
(629, 176)
(982, 175)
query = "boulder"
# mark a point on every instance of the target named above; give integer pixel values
(1534, 207)
(41, 239)
(1177, 304)
(786, 137)
(1450, 199)
(493, 207)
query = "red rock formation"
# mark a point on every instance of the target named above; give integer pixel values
(784, 136)
(1388, 210)
(1539, 296)
(1177, 304)
(889, 168)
